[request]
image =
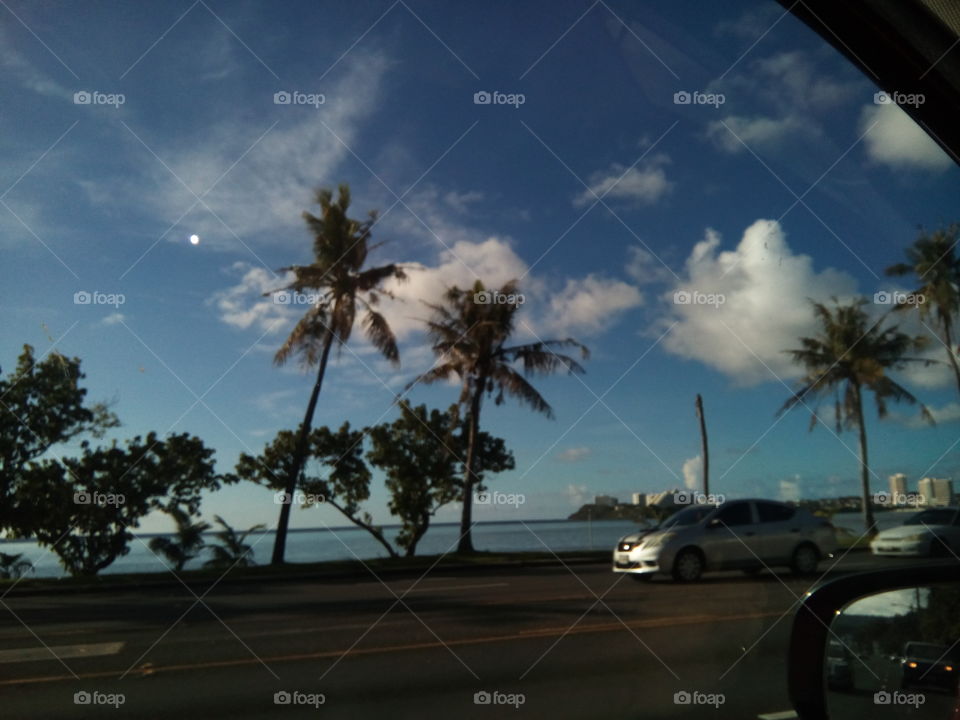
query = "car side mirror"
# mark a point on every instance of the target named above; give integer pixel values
(889, 637)
(714, 524)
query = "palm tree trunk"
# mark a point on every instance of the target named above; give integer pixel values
(704, 450)
(950, 352)
(868, 523)
(300, 455)
(473, 424)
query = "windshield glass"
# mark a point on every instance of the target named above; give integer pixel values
(687, 516)
(931, 517)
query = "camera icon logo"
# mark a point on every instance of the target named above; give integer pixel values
(283, 298)
(483, 498)
(882, 298)
(281, 98)
(881, 498)
(282, 697)
(882, 98)
(482, 98)
(483, 298)
(282, 498)
(681, 98)
(81, 298)
(81, 498)
(682, 498)
(82, 98)
(682, 297)
(481, 697)
(881, 697)
(81, 697)
(681, 697)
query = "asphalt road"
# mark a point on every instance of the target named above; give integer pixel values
(557, 642)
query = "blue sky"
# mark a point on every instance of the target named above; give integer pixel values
(600, 192)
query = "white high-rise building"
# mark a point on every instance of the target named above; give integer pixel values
(935, 492)
(898, 486)
(639, 499)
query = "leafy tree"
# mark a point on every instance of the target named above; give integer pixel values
(187, 544)
(423, 461)
(341, 282)
(42, 405)
(347, 481)
(13, 567)
(933, 260)
(469, 337)
(851, 354)
(84, 508)
(233, 550)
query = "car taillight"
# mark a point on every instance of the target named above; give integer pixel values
(911, 664)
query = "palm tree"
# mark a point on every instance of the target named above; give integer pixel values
(187, 544)
(233, 550)
(937, 267)
(850, 354)
(469, 337)
(338, 277)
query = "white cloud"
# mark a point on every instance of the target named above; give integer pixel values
(942, 415)
(693, 472)
(243, 305)
(113, 319)
(574, 454)
(897, 141)
(577, 495)
(590, 305)
(765, 309)
(756, 132)
(644, 183)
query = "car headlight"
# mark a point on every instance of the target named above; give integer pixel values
(658, 540)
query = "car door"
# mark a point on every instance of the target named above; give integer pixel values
(780, 529)
(731, 540)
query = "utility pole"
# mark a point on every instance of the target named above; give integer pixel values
(704, 452)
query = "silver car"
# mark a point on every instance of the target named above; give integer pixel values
(743, 535)
(931, 533)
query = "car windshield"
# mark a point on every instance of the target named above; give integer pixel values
(926, 651)
(344, 340)
(687, 516)
(931, 517)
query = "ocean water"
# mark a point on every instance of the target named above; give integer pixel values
(350, 543)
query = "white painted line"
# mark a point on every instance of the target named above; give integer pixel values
(782, 715)
(60, 651)
(454, 587)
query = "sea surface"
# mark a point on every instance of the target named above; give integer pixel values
(351, 543)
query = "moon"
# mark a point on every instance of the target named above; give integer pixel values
(194, 239)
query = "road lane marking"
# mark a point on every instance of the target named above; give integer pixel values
(298, 657)
(60, 651)
(783, 715)
(452, 587)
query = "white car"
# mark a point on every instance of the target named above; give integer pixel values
(743, 535)
(934, 532)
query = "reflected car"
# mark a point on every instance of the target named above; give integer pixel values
(934, 532)
(839, 673)
(746, 535)
(926, 665)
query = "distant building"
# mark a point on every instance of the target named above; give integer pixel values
(898, 487)
(608, 500)
(639, 499)
(936, 492)
(665, 499)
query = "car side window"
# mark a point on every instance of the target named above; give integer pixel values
(774, 512)
(736, 514)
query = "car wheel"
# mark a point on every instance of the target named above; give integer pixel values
(805, 560)
(641, 577)
(688, 566)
